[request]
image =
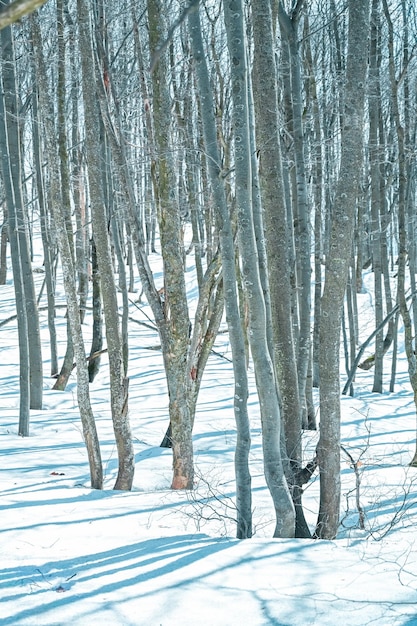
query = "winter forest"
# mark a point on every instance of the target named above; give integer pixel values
(218, 184)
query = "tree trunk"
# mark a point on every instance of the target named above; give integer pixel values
(289, 31)
(337, 265)
(264, 370)
(243, 478)
(175, 297)
(118, 383)
(276, 233)
(68, 271)
(10, 161)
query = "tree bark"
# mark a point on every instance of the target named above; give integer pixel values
(276, 234)
(289, 31)
(16, 10)
(243, 478)
(68, 271)
(264, 370)
(337, 265)
(118, 382)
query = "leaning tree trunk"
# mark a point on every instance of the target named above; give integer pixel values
(337, 266)
(264, 370)
(68, 272)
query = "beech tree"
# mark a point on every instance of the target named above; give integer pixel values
(264, 370)
(68, 271)
(337, 264)
(219, 125)
(31, 370)
(227, 247)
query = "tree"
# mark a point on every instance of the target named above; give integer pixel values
(264, 370)
(337, 264)
(29, 333)
(276, 234)
(301, 210)
(227, 247)
(68, 270)
(118, 379)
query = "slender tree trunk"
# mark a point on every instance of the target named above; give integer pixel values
(97, 338)
(49, 247)
(264, 370)
(4, 239)
(376, 199)
(276, 233)
(337, 265)
(10, 163)
(68, 271)
(403, 243)
(20, 236)
(118, 382)
(243, 478)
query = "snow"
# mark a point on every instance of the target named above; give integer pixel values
(153, 557)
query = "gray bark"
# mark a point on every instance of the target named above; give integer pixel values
(264, 370)
(403, 243)
(68, 271)
(374, 154)
(18, 9)
(175, 307)
(18, 218)
(22, 323)
(243, 478)
(118, 383)
(49, 246)
(289, 29)
(337, 264)
(276, 233)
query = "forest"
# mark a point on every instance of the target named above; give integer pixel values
(273, 143)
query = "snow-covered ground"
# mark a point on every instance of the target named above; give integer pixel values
(152, 557)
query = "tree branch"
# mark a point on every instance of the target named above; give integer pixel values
(16, 10)
(164, 45)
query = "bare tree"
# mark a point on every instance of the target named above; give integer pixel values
(68, 270)
(118, 380)
(337, 264)
(264, 370)
(227, 247)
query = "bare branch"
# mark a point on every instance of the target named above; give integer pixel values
(164, 45)
(16, 10)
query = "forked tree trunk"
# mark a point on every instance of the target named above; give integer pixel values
(118, 382)
(264, 370)
(276, 233)
(175, 304)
